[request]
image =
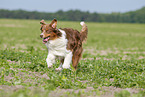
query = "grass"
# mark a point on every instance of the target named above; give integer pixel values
(114, 57)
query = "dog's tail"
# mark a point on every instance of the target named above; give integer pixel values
(84, 32)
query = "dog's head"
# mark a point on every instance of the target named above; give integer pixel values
(49, 31)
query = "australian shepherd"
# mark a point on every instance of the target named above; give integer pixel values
(65, 43)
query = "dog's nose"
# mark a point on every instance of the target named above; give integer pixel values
(41, 35)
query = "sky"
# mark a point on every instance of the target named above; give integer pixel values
(100, 6)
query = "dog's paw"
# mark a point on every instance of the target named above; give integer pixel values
(50, 66)
(66, 66)
(58, 69)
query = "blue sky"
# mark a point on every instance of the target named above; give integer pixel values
(101, 6)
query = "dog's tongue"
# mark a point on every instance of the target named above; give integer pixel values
(45, 40)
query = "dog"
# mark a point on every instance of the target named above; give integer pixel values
(65, 43)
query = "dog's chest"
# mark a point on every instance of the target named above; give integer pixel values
(58, 46)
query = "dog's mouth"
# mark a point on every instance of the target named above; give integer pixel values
(46, 39)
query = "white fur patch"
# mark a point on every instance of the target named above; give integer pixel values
(58, 46)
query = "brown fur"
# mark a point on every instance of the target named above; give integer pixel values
(84, 33)
(74, 44)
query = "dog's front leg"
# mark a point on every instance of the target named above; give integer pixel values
(50, 60)
(67, 60)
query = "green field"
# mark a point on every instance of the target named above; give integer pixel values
(112, 65)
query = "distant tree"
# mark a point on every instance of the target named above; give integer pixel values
(137, 16)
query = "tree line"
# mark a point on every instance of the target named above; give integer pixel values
(137, 16)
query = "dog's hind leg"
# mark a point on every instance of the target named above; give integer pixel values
(76, 57)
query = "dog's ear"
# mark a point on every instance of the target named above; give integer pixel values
(53, 24)
(42, 22)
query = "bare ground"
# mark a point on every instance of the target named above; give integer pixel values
(88, 92)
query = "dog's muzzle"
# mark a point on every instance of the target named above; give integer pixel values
(46, 39)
